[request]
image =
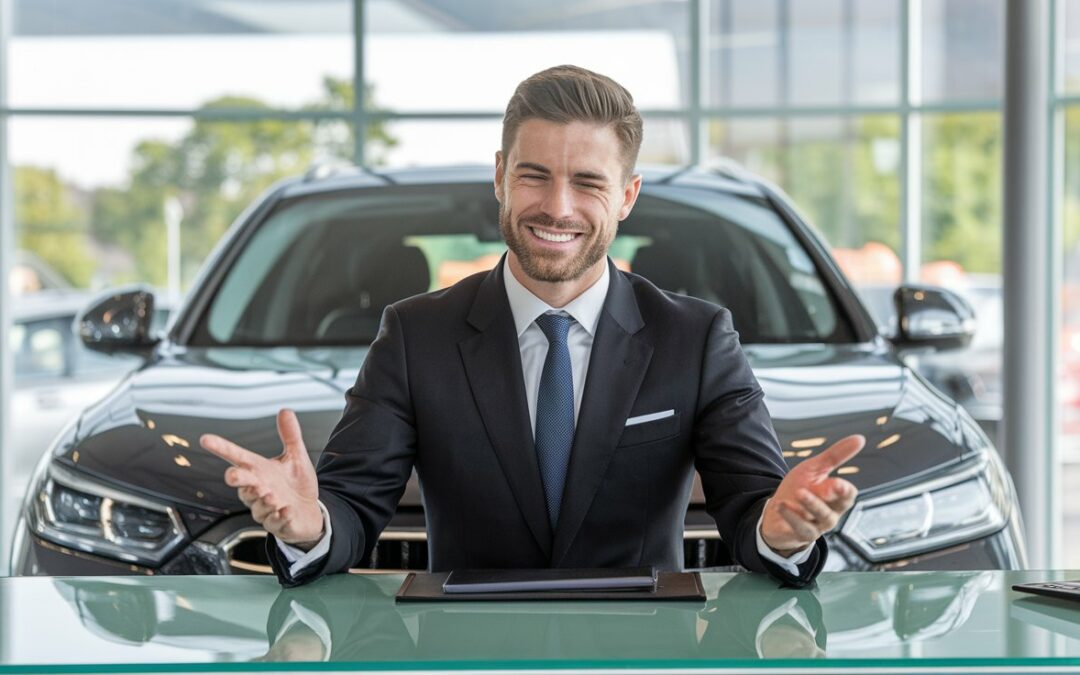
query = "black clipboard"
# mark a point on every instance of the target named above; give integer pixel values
(670, 586)
(551, 579)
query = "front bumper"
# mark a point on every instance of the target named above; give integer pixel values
(240, 543)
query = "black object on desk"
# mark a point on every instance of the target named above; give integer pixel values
(513, 580)
(419, 587)
(1066, 590)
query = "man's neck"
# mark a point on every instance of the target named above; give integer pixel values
(557, 294)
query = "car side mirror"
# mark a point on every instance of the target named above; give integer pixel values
(932, 318)
(118, 322)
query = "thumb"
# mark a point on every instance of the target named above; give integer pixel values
(289, 431)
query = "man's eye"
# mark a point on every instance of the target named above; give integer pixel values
(532, 176)
(591, 186)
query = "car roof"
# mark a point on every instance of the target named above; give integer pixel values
(726, 177)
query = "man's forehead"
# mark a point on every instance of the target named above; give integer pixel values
(576, 147)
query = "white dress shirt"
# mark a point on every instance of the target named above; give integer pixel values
(585, 310)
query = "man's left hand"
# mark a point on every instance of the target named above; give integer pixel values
(808, 502)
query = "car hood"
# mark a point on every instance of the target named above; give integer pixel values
(145, 434)
(820, 394)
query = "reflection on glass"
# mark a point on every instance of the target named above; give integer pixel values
(194, 618)
(353, 618)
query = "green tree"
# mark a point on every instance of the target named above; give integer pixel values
(962, 198)
(50, 223)
(848, 184)
(215, 171)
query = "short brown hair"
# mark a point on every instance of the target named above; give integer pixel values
(565, 94)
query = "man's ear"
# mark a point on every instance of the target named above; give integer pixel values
(500, 170)
(630, 195)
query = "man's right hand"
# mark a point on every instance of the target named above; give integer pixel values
(282, 492)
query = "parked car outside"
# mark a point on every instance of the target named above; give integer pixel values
(286, 306)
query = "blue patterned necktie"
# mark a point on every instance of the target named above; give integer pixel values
(555, 411)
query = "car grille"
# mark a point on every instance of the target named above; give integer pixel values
(395, 552)
(399, 551)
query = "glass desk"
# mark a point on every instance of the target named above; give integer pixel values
(851, 622)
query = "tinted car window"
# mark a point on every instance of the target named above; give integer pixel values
(319, 270)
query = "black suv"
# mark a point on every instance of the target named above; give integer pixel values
(285, 308)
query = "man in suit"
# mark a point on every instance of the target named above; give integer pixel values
(555, 407)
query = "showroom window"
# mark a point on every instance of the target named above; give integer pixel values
(880, 118)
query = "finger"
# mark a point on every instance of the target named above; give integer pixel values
(289, 431)
(261, 510)
(276, 522)
(248, 495)
(228, 451)
(237, 477)
(839, 494)
(837, 454)
(822, 514)
(802, 529)
(253, 493)
(796, 508)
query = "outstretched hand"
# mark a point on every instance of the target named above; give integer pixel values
(281, 492)
(808, 502)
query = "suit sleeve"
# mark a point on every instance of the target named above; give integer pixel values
(737, 454)
(368, 460)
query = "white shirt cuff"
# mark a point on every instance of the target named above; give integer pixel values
(300, 614)
(299, 558)
(789, 564)
(789, 608)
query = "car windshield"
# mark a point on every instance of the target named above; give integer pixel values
(319, 270)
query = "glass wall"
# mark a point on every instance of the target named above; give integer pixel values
(1068, 108)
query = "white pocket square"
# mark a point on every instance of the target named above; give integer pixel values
(651, 417)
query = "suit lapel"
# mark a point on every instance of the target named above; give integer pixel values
(492, 362)
(617, 367)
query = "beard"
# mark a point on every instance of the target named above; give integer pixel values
(552, 266)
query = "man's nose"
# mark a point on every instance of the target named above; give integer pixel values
(559, 201)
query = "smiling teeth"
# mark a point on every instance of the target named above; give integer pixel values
(554, 237)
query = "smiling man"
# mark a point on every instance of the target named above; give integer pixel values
(554, 408)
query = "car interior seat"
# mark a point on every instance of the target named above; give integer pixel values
(378, 280)
(688, 269)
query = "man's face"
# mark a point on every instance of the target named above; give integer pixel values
(561, 196)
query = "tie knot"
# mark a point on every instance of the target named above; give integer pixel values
(555, 326)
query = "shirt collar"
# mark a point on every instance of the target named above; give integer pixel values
(585, 308)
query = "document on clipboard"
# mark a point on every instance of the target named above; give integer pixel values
(522, 581)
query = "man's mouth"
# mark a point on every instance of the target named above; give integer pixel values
(555, 237)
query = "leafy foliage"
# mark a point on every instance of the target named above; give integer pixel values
(215, 170)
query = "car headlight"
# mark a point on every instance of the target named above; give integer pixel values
(969, 502)
(72, 510)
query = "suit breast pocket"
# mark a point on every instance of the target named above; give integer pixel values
(648, 432)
